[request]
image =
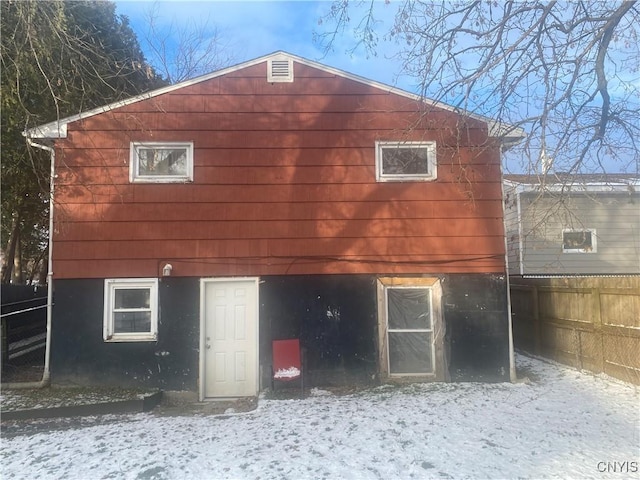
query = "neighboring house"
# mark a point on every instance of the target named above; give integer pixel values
(562, 224)
(278, 198)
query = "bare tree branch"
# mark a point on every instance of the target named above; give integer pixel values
(566, 72)
(181, 53)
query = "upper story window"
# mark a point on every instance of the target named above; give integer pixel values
(405, 161)
(579, 241)
(161, 162)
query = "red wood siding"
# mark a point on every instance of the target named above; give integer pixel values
(284, 183)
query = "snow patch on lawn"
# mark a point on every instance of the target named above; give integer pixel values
(564, 424)
(317, 392)
(55, 397)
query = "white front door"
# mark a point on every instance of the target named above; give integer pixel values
(229, 342)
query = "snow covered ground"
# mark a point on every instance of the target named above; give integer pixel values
(565, 424)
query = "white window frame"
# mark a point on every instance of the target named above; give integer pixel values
(432, 173)
(431, 330)
(134, 167)
(110, 286)
(594, 244)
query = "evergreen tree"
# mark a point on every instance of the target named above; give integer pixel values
(58, 58)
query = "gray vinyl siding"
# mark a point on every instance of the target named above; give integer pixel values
(511, 228)
(614, 216)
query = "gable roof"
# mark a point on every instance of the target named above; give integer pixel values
(58, 129)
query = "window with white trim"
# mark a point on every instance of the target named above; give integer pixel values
(161, 162)
(579, 241)
(405, 161)
(131, 310)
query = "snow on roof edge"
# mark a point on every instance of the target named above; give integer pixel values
(58, 128)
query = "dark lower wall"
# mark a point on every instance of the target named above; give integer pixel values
(80, 355)
(335, 316)
(477, 327)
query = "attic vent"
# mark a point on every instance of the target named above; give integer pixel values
(280, 69)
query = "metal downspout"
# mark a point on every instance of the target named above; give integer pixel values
(512, 356)
(46, 375)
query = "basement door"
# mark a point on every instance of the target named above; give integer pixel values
(229, 338)
(411, 332)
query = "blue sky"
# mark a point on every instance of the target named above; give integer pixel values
(254, 29)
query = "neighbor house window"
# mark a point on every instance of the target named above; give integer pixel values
(405, 161)
(161, 162)
(130, 310)
(579, 241)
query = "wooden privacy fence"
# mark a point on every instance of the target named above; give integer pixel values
(589, 323)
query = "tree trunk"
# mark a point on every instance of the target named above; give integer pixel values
(38, 269)
(7, 267)
(44, 269)
(18, 274)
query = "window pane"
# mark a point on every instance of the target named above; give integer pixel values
(132, 298)
(408, 308)
(162, 161)
(577, 240)
(405, 161)
(410, 353)
(128, 322)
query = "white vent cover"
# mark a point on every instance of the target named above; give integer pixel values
(280, 69)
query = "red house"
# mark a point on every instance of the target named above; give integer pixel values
(279, 198)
